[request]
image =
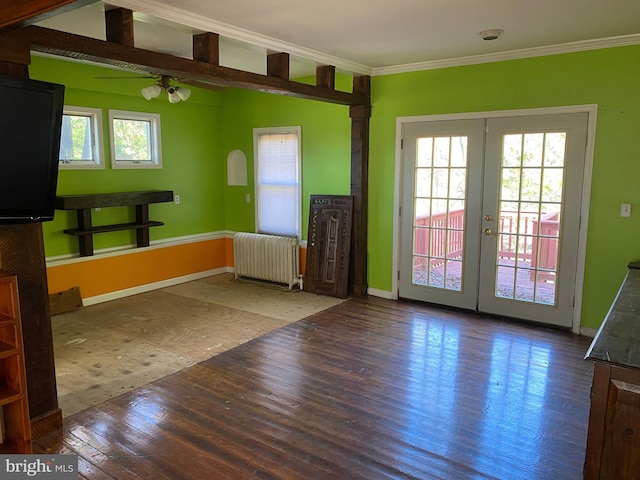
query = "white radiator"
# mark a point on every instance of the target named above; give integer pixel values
(267, 257)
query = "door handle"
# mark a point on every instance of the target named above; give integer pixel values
(488, 218)
(488, 231)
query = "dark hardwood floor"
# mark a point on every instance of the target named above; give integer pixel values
(370, 389)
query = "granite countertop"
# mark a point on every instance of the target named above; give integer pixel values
(618, 340)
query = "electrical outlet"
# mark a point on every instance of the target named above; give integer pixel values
(176, 199)
(625, 210)
(97, 209)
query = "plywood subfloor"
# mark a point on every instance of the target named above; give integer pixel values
(111, 348)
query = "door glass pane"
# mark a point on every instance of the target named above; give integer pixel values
(531, 186)
(439, 206)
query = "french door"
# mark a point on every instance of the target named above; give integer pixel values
(490, 214)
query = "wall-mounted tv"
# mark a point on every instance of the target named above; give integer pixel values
(30, 123)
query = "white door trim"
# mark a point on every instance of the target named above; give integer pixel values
(590, 109)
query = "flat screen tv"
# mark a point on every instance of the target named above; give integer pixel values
(30, 123)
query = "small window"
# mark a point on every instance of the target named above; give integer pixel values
(135, 139)
(81, 138)
(277, 170)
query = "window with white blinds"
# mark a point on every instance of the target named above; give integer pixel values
(277, 173)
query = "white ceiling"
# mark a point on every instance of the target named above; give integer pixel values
(369, 36)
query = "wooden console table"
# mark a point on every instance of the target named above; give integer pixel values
(84, 203)
(613, 441)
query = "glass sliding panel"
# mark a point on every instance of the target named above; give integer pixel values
(440, 193)
(531, 188)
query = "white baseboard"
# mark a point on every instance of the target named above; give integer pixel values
(153, 286)
(374, 292)
(588, 332)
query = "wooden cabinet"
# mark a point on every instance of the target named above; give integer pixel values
(613, 441)
(16, 430)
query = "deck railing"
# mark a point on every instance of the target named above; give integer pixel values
(535, 243)
(443, 239)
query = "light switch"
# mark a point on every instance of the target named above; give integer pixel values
(247, 198)
(625, 210)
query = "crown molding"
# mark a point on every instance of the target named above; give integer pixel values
(198, 22)
(204, 24)
(625, 40)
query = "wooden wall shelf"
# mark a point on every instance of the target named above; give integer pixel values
(84, 203)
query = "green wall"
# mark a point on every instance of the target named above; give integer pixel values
(192, 134)
(326, 147)
(198, 135)
(607, 77)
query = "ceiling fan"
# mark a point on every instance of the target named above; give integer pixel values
(163, 83)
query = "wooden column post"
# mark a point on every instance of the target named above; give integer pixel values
(22, 254)
(360, 115)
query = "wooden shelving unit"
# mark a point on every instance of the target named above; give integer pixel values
(84, 203)
(16, 432)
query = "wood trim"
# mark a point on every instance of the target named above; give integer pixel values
(30, 11)
(84, 48)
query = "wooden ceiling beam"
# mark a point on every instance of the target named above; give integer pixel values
(206, 48)
(278, 65)
(14, 51)
(326, 76)
(24, 12)
(110, 53)
(119, 26)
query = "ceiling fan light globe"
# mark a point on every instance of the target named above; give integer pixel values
(183, 93)
(156, 90)
(152, 91)
(173, 95)
(146, 93)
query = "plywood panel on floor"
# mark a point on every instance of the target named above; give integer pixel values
(111, 348)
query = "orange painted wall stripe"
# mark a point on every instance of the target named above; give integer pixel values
(114, 273)
(99, 276)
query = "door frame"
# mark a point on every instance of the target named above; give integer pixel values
(590, 109)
